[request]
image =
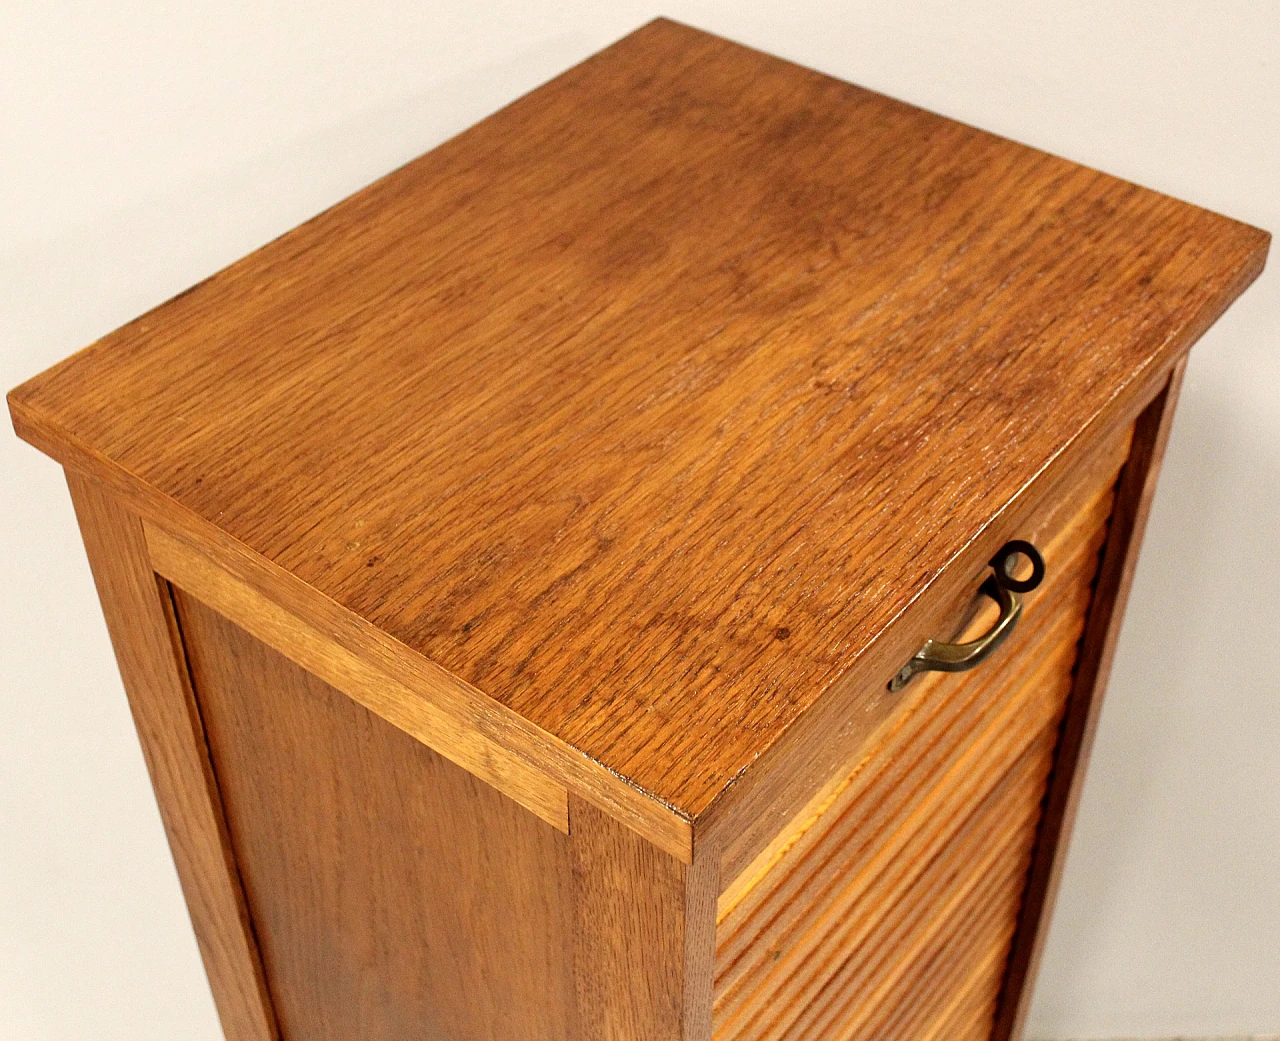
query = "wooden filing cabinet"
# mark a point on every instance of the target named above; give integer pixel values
(509, 568)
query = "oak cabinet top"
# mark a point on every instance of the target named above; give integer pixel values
(648, 404)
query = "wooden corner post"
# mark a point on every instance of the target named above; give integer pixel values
(644, 942)
(148, 648)
(1135, 488)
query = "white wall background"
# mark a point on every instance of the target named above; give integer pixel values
(143, 145)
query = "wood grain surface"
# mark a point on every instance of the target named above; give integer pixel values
(455, 737)
(647, 405)
(1134, 493)
(395, 896)
(885, 909)
(149, 651)
(836, 731)
(644, 937)
(418, 696)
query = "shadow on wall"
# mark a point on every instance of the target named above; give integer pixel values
(1178, 826)
(1203, 611)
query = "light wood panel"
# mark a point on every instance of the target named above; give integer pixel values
(973, 915)
(749, 815)
(647, 406)
(550, 515)
(395, 896)
(149, 652)
(1078, 506)
(886, 908)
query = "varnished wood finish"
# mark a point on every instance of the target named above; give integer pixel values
(396, 896)
(647, 406)
(542, 524)
(1134, 493)
(644, 938)
(454, 737)
(892, 898)
(285, 612)
(139, 616)
(1061, 519)
(749, 816)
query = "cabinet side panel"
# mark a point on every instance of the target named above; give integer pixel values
(140, 619)
(395, 895)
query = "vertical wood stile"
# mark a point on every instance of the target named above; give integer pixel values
(1134, 491)
(645, 934)
(140, 619)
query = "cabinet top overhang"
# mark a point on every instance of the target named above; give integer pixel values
(648, 404)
